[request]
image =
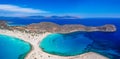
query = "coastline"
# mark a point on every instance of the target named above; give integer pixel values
(36, 53)
(22, 56)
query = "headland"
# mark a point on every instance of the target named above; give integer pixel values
(34, 33)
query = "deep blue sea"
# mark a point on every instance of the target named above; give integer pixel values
(13, 48)
(105, 43)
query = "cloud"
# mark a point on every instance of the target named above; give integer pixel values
(17, 10)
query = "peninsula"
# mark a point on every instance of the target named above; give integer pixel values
(55, 28)
(34, 33)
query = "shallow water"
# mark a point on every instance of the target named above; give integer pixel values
(65, 44)
(105, 43)
(13, 48)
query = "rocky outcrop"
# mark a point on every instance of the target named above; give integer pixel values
(107, 28)
(44, 27)
(3, 24)
(55, 28)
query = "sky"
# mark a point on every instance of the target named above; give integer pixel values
(82, 8)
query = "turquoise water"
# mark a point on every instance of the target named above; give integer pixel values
(65, 44)
(104, 43)
(13, 48)
(72, 44)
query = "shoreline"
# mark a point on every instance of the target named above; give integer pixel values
(36, 52)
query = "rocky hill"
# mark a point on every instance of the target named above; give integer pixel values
(55, 28)
(52, 27)
(3, 24)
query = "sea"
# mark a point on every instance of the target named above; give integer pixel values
(76, 43)
(13, 48)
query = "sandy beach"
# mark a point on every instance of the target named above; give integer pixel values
(36, 53)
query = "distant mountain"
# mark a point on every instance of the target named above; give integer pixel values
(70, 17)
(42, 17)
(35, 17)
(53, 17)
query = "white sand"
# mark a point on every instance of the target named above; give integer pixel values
(36, 53)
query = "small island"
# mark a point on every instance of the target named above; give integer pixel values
(34, 33)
